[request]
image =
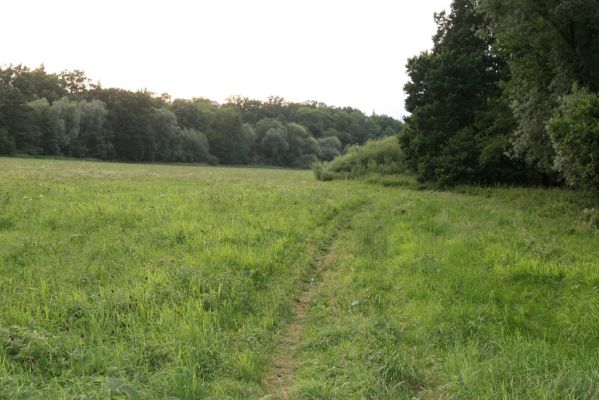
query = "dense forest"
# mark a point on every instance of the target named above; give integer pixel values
(65, 114)
(509, 93)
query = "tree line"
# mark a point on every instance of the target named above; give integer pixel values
(65, 114)
(509, 93)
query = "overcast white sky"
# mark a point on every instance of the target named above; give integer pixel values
(341, 52)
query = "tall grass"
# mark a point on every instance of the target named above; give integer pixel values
(174, 282)
(144, 281)
(438, 295)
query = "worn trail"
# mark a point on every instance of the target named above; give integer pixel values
(279, 381)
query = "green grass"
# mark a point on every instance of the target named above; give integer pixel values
(151, 281)
(491, 294)
(154, 282)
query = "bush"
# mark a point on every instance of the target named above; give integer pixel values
(574, 133)
(375, 157)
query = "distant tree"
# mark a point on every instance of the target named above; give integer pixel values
(329, 148)
(248, 135)
(68, 117)
(130, 117)
(388, 126)
(165, 134)
(7, 143)
(193, 146)
(274, 146)
(315, 119)
(15, 115)
(303, 148)
(94, 132)
(45, 113)
(37, 83)
(251, 111)
(196, 113)
(266, 124)
(74, 82)
(225, 135)
(49, 127)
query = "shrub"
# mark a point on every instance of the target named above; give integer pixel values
(377, 156)
(574, 132)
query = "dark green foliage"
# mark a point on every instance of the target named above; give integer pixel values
(193, 147)
(7, 142)
(195, 114)
(550, 45)
(227, 142)
(15, 115)
(453, 94)
(375, 157)
(274, 145)
(94, 133)
(498, 73)
(330, 147)
(64, 114)
(574, 130)
(129, 116)
(302, 146)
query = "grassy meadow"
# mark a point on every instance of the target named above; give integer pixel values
(123, 281)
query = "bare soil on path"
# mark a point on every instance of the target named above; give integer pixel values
(280, 379)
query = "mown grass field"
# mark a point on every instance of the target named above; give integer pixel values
(177, 282)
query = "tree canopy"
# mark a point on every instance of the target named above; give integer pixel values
(495, 99)
(65, 114)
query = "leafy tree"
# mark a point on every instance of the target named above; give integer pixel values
(15, 115)
(191, 146)
(451, 89)
(94, 132)
(68, 118)
(45, 113)
(7, 143)
(129, 117)
(48, 126)
(266, 124)
(574, 130)
(313, 118)
(274, 145)
(74, 82)
(165, 135)
(225, 135)
(329, 148)
(249, 137)
(303, 148)
(550, 45)
(250, 110)
(387, 126)
(196, 113)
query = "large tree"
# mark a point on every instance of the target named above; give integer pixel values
(551, 46)
(452, 90)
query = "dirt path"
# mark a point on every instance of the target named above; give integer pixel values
(279, 381)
